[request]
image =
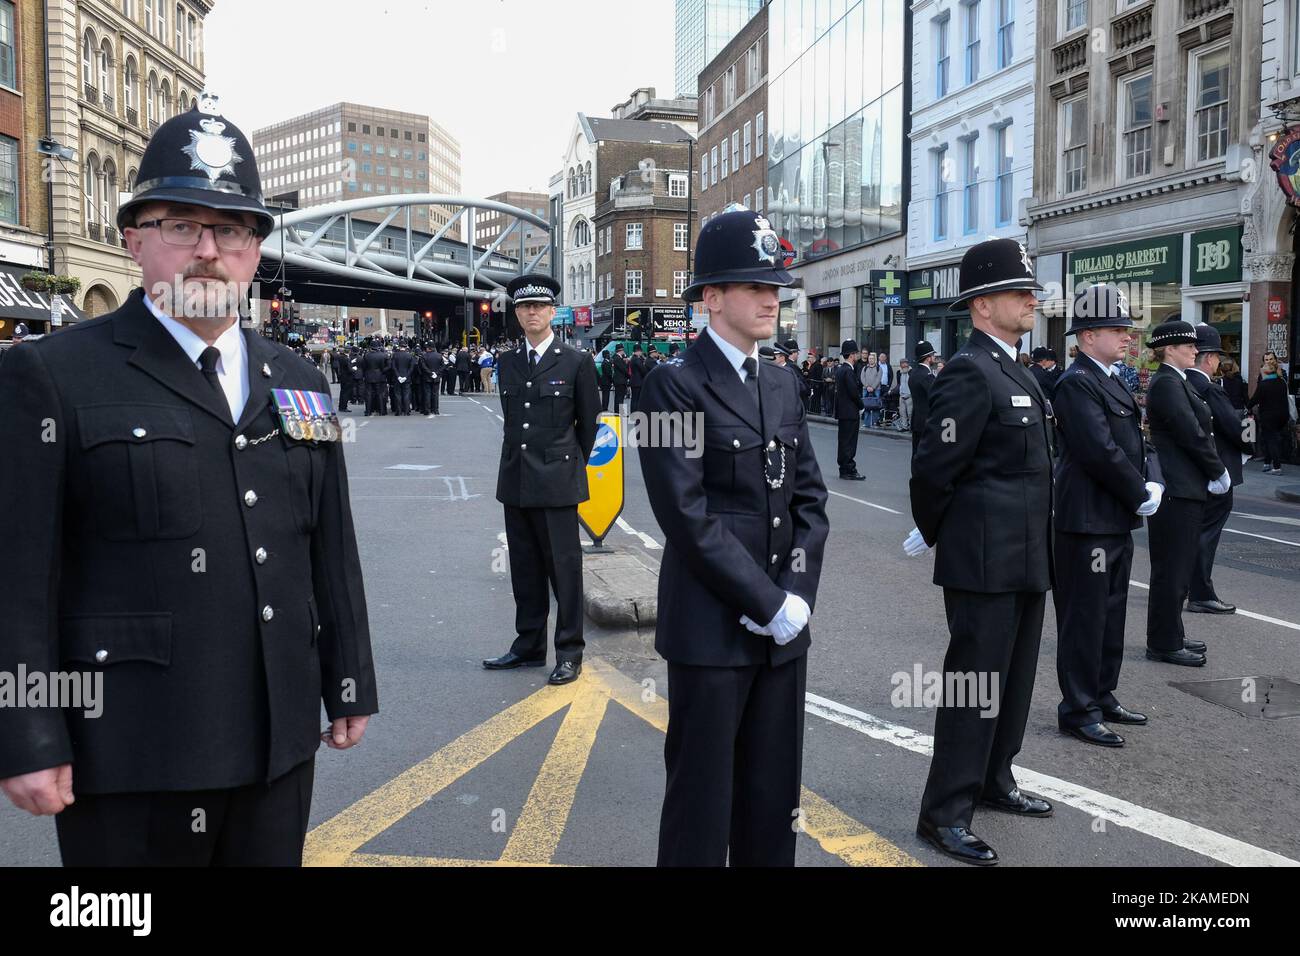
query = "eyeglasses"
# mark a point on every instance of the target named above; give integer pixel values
(229, 236)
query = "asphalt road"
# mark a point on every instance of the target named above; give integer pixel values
(468, 766)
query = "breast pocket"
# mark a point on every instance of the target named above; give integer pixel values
(1022, 429)
(558, 402)
(143, 469)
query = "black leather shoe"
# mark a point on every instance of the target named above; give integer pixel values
(1181, 656)
(1122, 715)
(853, 477)
(511, 659)
(958, 843)
(1098, 734)
(1196, 647)
(565, 672)
(1019, 804)
(1211, 607)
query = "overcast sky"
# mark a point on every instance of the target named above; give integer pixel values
(505, 77)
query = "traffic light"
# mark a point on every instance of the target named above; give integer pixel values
(483, 309)
(275, 310)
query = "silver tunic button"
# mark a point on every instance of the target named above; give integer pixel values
(529, 384)
(139, 433)
(776, 522)
(525, 424)
(260, 555)
(557, 393)
(735, 443)
(250, 498)
(523, 448)
(771, 446)
(267, 613)
(566, 457)
(1025, 420)
(528, 404)
(241, 442)
(101, 656)
(775, 559)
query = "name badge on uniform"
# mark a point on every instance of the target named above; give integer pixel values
(307, 416)
(1020, 401)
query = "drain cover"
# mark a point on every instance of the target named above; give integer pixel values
(1264, 698)
(1262, 554)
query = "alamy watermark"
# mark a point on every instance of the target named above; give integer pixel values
(63, 690)
(921, 688)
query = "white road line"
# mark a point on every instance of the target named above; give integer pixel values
(1294, 522)
(476, 402)
(1263, 537)
(1250, 614)
(1172, 830)
(867, 503)
(500, 419)
(650, 543)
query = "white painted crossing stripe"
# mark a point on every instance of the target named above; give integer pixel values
(412, 467)
(867, 503)
(1172, 830)
(1294, 522)
(1250, 614)
(500, 419)
(650, 543)
(1263, 537)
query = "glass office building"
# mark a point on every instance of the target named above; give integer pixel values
(703, 28)
(835, 121)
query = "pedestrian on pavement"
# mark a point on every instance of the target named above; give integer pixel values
(1272, 411)
(1230, 443)
(1107, 481)
(904, 386)
(849, 404)
(982, 495)
(869, 379)
(1182, 430)
(550, 403)
(745, 528)
(187, 538)
(1234, 386)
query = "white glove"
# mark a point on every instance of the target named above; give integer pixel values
(790, 620)
(1221, 485)
(748, 622)
(1154, 493)
(915, 544)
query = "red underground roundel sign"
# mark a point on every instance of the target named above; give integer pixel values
(1285, 160)
(789, 251)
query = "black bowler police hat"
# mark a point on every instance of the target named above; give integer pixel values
(202, 159)
(1208, 339)
(534, 287)
(849, 347)
(998, 265)
(1176, 332)
(738, 246)
(1099, 306)
(923, 349)
(1040, 353)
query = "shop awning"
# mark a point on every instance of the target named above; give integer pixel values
(596, 330)
(31, 308)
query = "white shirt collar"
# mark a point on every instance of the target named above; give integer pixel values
(1009, 348)
(733, 355)
(1109, 370)
(232, 366)
(541, 349)
(1181, 373)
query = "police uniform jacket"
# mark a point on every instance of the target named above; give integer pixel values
(920, 380)
(734, 545)
(848, 393)
(375, 366)
(433, 364)
(550, 427)
(619, 369)
(982, 474)
(1105, 461)
(636, 369)
(208, 570)
(1046, 379)
(1182, 429)
(403, 364)
(1226, 422)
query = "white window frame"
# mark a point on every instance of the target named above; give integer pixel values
(759, 134)
(1004, 181)
(940, 218)
(677, 186)
(729, 87)
(680, 281)
(1005, 35)
(726, 154)
(679, 236)
(704, 172)
(758, 198)
(972, 41)
(753, 66)
(970, 192)
(1122, 132)
(713, 164)
(634, 237)
(745, 142)
(632, 285)
(1062, 185)
(735, 150)
(1063, 16)
(943, 55)
(1193, 125)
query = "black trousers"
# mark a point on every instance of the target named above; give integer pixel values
(1173, 532)
(1091, 598)
(345, 394)
(376, 397)
(1272, 445)
(429, 398)
(604, 397)
(620, 393)
(544, 548)
(734, 756)
(636, 397)
(992, 634)
(1218, 508)
(256, 825)
(403, 404)
(848, 446)
(449, 382)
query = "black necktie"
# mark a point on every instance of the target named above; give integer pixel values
(532, 360)
(208, 365)
(751, 378)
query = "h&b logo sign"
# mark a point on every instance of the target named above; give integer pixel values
(1213, 256)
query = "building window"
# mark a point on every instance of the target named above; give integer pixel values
(758, 135)
(352, 127)
(91, 188)
(677, 187)
(735, 151)
(1074, 145)
(632, 283)
(1074, 15)
(105, 61)
(943, 56)
(161, 30)
(1004, 143)
(972, 15)
(1209, 92)
(88, 59)
(1135, 122)
(148, 14)
(708, 106)
(940, 194)
(365, 129)
(745, 142)
(752, 67)
(191, 34)
(9, 178)
(679, 237)
(633, 236)
(180, 28)
(971, 190)
(758, 199)
(1006, 32)
(151, 98)
(725, 155)
(680, 282)
(130, 85)
(729, 87)
(8, 68)
(713, 164)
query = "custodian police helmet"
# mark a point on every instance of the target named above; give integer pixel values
(1099, 306)
(998, 265)
(737, 246)
(200, 158)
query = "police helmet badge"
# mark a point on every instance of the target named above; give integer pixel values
(766, 242)
(210, 151)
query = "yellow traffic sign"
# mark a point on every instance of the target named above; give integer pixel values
(604, 478)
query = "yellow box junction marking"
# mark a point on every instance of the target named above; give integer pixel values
(537, 832)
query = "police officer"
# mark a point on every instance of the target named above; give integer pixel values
(1108, 479)
(621, 375)
(1044, 369)
(1229, 441)
(606, 376)
(1182, 430)
(746, 527)
(848, 412)
(982, 493)
(550, 403)
(636, 369)
(374, 369)
(432, 362)
(187, 538)
(920, 381)
(403, 374)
